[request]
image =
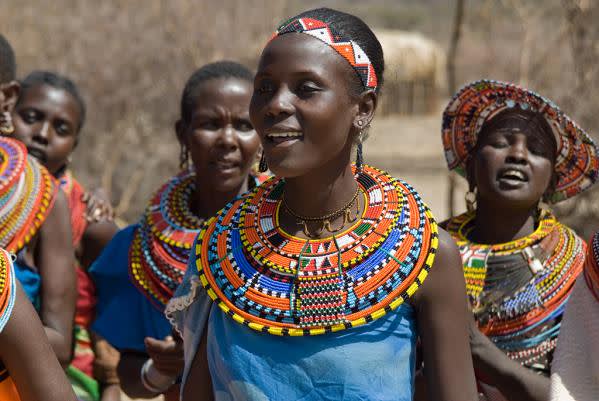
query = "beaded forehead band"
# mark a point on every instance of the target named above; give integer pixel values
(347, 48)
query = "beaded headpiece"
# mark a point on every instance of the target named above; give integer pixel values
(347, 48)
(576, 166)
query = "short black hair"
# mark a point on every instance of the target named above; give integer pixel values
(8, 63)
(353, 28)
(37, 78)
(219, 69)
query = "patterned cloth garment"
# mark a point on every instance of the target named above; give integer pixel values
(258, 286)
(141, 267)
(80, 372)
(8, 391)
(518, 290)
(575, 369)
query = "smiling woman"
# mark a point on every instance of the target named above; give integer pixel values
(317, 284)
(516, 149)
(140, 268)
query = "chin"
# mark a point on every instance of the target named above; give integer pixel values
(514, 199)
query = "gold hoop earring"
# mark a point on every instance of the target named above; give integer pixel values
(470, 198)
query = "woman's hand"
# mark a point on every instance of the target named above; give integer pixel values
(167, 354)
(98, 206)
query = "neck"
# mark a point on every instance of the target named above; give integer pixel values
(496, 225)
(206, 203)
(321, 192)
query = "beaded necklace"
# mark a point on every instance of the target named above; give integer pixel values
(280, 284)
(518, 290)
(591, 271)
(162, 243)
(7, 288)
(27, 192)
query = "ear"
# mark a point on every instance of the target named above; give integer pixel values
(367, 103)
(470, 174)
(180, 128)
(9, 94)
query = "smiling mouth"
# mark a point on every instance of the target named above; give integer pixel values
(279, 137)
(513, 177)
(225, 164)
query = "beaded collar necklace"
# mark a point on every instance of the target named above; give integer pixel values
(524, 321)
(280, 284)
(162, 242)
(7, 288)
(591, 271)
(27, 193)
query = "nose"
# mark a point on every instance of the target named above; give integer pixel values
(43, 134)
(518, 151)
(280, 103)
(228, 138)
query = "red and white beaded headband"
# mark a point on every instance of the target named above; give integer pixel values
(347, 48)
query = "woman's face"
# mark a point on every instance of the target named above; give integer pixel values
(513, 167)
(47, 121)
(301, 106)
(220, 137)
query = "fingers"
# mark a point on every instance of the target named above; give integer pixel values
(167, 354)
(98, 208)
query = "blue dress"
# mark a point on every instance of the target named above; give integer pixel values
(375, 361)
(124, 316)
(30, 279)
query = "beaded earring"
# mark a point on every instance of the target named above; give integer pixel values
(359, 156)
(471, 200)
(183, 158)
(262, 167)
(6, 125)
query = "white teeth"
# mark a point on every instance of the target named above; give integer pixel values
(515, 173)
(285, 135)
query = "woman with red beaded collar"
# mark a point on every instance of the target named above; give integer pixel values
(516, 149)
(316, 284)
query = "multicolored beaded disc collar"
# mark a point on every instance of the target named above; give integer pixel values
(518, 290)
(27, 192)
(276, 283)
(577, 163)
(7, 288)
(591, 271)
(161, 244)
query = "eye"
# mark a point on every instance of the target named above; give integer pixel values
(62, 129)
(307, 88)
(243, 126)
(30, 116)
(208, 125)
(264, 86)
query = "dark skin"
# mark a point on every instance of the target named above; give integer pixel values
(24, 345)
(304, 87)
(506, 206)
(26, 353)
(223, 146)
(47, 120)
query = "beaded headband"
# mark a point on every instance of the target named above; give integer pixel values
(577, 163)
(346, 47)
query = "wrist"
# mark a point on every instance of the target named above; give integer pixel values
(154, 380)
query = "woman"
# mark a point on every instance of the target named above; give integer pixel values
(35, 373)
(48, 118)
(336, 253)
(575, 372)
(140, 269)
(516, 149)
(35, 226)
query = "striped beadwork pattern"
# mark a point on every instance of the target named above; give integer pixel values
(7, 288)
(524, 323)
(591, 271)
(162, 243)
(276, 283)
(27, 192)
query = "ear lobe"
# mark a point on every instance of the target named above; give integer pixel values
(367, 103)
(10, 95)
